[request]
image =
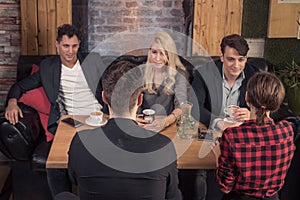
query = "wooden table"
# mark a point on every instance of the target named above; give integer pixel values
(192, 154)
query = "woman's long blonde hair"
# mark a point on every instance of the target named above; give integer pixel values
(165, 42)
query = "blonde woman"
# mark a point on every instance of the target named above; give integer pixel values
(165, 82)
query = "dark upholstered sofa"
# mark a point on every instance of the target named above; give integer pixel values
(25, 145)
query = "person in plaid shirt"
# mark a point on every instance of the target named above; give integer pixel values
(255, 156)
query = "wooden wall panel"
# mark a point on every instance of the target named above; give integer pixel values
(40, 19)
(64, 11)
(213, 19)
(29, 27)
(283, 19)
(52, 27)
(43, 25)
(234, 17)
(23, 7)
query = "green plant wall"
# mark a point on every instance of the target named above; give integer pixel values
(255, 18)
(277, 52)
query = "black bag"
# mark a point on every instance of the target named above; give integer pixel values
(18, 141)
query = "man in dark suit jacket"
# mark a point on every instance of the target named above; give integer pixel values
(215, 86)
(49, 76)
(208, 85)
(222, 83)
(52, 77)
(122, 160)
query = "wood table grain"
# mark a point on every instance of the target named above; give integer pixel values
(191, 153)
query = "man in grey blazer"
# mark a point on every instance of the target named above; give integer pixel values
(217, 85)
(222, 83)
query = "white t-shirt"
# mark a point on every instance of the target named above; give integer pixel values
(77, 96)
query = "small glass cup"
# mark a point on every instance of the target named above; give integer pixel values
(229, 110)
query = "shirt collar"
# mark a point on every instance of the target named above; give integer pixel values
(253, 121)
(240, 78)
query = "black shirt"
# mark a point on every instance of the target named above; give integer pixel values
(123, 161)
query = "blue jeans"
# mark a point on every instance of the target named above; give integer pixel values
(58, 181)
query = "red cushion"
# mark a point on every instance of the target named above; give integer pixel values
(34, 68)
(38, 100)
(44, 122)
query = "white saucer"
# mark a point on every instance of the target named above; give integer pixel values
(92, 123)
(226, 119)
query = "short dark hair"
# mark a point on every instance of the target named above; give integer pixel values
(237, 42)
(266, 93)
(122, 82)
(67, 29)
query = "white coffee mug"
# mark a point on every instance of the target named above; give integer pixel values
(148, 114)
(96, 116)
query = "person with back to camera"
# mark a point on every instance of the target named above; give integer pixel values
(122, 160)
(255, 156)
(165, 80)
(217, 85)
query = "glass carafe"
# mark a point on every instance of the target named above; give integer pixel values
(186, 124)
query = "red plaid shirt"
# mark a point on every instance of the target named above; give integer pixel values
(254, 159)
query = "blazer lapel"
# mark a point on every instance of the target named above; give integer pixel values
(93, 68)
(213, 81)
(56, 80)
(217, 89)
(50, 71)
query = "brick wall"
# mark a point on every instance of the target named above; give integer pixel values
(10, 37)
(107, 17)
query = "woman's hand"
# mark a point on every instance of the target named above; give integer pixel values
(157, 125)
(140, 120)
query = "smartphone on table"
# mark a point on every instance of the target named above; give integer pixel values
(72, 122)
(205, 135)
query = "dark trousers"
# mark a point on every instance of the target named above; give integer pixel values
(66, 196)
(58, 181)
(192, 184)
(199, 184)
(236, 196)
